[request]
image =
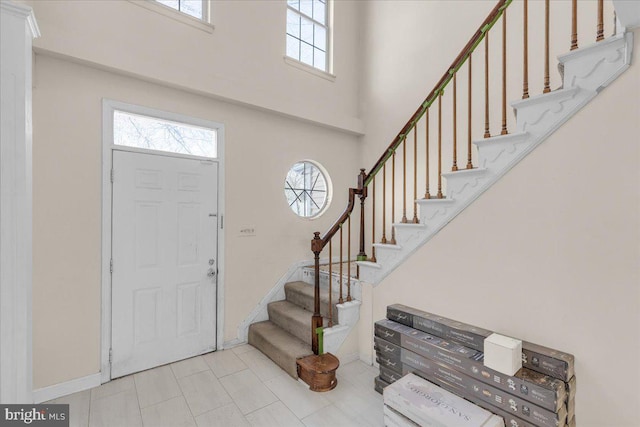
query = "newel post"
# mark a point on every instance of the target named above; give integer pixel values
(362, 256)
(316, 320)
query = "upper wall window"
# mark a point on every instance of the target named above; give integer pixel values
(308, 32)
(195, 8)
(133, 130)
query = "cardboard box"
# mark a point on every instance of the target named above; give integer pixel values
(389, 364)
(541, 359)
(389, 375)
(471, 336)
(503, 354)
(396, 419)
(571, 408)
(390, 331)
(540, 389)
(510, 419)
(386, 348)
(510, 403)
(545, 360)
(571, 388)
(429, 405)
(402, 314)
(379, 384)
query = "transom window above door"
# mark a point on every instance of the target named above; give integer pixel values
(134, 130)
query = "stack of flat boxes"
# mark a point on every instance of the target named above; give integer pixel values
(450, 354)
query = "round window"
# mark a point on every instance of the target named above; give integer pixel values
(307, 189)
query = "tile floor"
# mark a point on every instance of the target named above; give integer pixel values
(236, 387)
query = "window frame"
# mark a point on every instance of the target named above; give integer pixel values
(183, 121)
(205, 9)
(327, 72)
(328, 190)
(204, 24)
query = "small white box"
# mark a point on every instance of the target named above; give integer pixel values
(503, 354)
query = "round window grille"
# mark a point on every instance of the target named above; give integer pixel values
(307, 189)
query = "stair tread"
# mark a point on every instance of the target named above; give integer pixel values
(302, 294)
(279, 345)
(292, 318)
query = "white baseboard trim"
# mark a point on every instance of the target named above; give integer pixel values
(63, 389)
(347, 358)
(232, 343)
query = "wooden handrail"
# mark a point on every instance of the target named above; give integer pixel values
(318, 243)
(477, 37)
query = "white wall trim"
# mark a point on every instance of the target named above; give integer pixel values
(309, 69)
(346, 125)
(51, 392)
(108, 107)
(18, 28)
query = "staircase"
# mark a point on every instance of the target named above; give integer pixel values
(395, 228)
(285, 337)
(587, 71)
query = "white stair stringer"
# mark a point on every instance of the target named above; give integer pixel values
(586, 72)
(348, 312)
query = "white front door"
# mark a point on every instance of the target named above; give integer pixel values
(164, 250)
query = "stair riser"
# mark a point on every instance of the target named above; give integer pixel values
(495, 153)
(308, 276)
(599, 66)
(296, 327)
(461, 185)
(434, 214)
(405, 236)
(383, 254)
(543, 117)
(283, 352)
(306, 302)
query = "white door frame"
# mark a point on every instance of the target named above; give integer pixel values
(108, 107)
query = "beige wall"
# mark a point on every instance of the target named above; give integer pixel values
(241, 60)
(260, 148)
(550, 255)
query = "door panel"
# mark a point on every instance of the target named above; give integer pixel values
(164, 234)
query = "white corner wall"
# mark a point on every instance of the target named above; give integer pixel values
(550, 254)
